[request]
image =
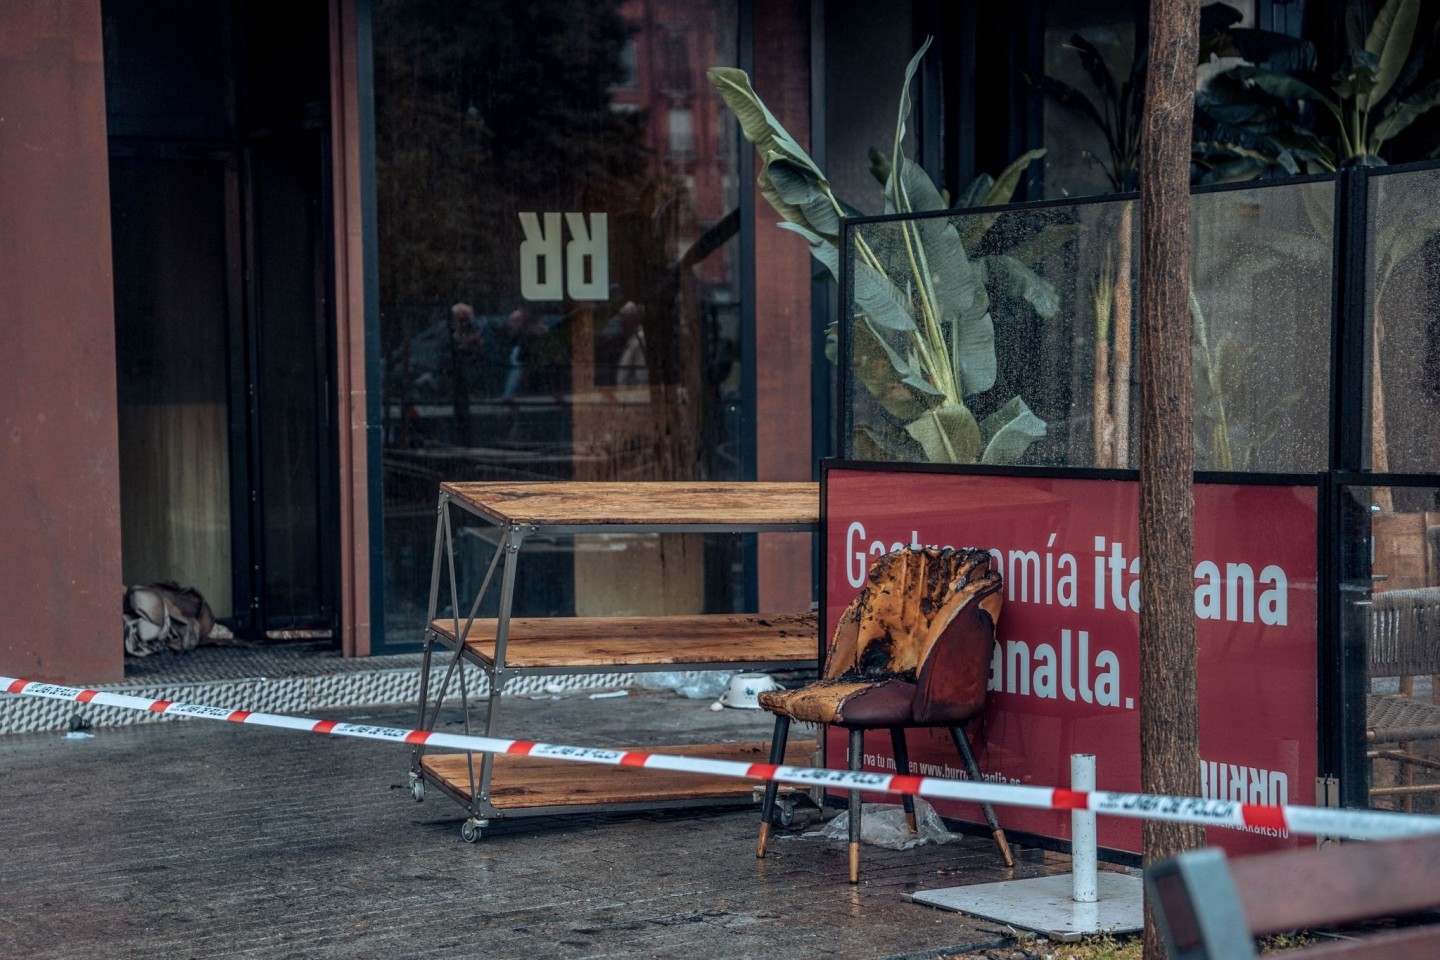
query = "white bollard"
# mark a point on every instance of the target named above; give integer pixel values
(1083, 880)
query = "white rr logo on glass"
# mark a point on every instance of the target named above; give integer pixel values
(540, 256)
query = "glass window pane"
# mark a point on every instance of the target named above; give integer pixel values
(993, 361)
(1262, 262)
(558, 283)
(1021, 345)
(1392, 591)
(1403, 299)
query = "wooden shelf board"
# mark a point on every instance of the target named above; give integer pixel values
(741, 504)
(520, 782)
(541, 642)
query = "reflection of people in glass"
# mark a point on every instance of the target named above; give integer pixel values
(450, 362)
(631, 371)
(620, 348)
(522, 329)
(467, 353)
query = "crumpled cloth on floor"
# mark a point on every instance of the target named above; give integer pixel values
(883, 824)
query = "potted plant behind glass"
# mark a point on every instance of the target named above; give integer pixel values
(1282, 109)
(1270, 105)
(923, 339)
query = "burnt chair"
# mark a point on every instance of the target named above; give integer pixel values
(912, 650)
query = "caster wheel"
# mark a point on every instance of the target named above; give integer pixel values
(786, 814)
(470, 830)
(417, 788)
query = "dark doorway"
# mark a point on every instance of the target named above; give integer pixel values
(218, 130)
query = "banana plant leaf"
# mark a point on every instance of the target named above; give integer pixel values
(919, 190)
(1094, 63)
(898, 383)
(1268, 141)
(1357, 78)
(756, 121)
(1275, 51)
(1236, 170)
(974, 194)
(875, 296)
(1224, 114)
(1067, 96)
(1008, 275)
(799, 187)
(1001, 190)
(879, 300)
(956, 283)
(1389, 42)
(947, 434)
(961, 284)
(902, 114)
(1400, 238)
(972, 355)
(892, 445)
(1400, 115)
(1421, 62)
(761, 128)
(820, 248)
(1226, 160)
(1011, 429)
(1286, 87)
(1303, 145)
(1049, 239)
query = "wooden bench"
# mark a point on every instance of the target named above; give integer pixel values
(1211, 908)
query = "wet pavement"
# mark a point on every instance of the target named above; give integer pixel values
(203, 839)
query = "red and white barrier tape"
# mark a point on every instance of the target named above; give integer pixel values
(1309, 821)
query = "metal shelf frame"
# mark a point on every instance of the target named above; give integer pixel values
(513, 533)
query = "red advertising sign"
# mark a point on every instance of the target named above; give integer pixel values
(1065, 675)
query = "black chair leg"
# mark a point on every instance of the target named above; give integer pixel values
(902, 767)
(857, 758)
(972, 770)
(777, 755)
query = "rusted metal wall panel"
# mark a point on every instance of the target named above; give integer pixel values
(59, 452)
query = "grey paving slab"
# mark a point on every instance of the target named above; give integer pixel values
(202, 839)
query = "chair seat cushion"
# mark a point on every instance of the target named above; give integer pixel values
(859, 703)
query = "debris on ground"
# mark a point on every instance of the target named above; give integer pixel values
(1029, 947)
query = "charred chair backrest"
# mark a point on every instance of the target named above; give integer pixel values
(927, 617)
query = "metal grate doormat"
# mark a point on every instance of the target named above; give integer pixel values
(294, 678)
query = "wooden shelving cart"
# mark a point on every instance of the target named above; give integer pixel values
(492, 786)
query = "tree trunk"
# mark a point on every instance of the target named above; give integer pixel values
(1169, 731)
